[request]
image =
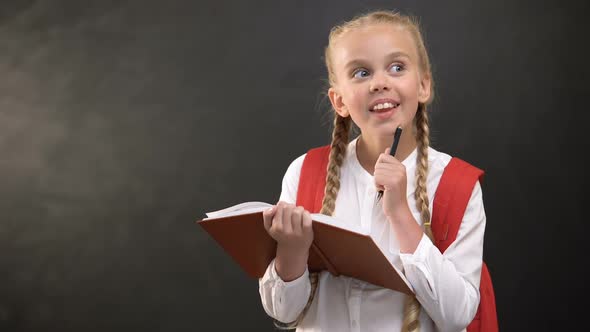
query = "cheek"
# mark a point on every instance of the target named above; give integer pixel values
(352, 97)
(355, 101)
(409, 88)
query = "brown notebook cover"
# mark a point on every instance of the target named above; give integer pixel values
(335, 249)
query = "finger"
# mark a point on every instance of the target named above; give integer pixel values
(383, 166)
(267, 216)
(385, 159)
(389, 163)
(287, 215)
(296, 219)
(385, 174)
(389, 159)
(306, 223)
(277, 220)
(380, 177)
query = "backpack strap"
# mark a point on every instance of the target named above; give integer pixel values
(310, 193)
(450, 200)
(312, 180)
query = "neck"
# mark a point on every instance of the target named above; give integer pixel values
(369, 148)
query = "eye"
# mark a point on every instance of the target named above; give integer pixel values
(397, 68)
(363, 73)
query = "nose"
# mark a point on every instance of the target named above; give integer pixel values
(379, 82)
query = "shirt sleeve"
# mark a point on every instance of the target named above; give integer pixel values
(282, 300)
(291, 181)
(447, 285)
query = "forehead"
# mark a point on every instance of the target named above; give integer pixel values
(372, 42)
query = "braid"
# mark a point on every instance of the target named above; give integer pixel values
(412, 306)
(337, 153)
(411, 315)
(421, 195)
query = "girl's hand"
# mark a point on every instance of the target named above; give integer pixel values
(290, 226)
(390, 176)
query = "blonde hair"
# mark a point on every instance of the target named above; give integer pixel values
(340, 137)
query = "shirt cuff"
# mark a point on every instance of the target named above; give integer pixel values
(286, 284)
(417, 269)
(420, 253)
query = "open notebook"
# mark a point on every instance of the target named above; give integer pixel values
(339, 247)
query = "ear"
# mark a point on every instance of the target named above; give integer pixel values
(337, 103)
(424, 89)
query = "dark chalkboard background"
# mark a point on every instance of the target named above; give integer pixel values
(122, 122)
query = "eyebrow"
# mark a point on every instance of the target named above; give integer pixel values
(359, 62)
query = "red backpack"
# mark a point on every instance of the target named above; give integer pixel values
(450, 202)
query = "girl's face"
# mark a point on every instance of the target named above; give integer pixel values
(377, 66)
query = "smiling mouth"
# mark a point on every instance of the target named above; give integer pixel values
(383, 108)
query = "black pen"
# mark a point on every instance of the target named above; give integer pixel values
(396, 136)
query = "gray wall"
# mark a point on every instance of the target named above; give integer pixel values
(122, 122)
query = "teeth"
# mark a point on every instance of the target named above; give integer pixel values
(384, 105)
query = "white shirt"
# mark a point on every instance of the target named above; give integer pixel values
(446, 285)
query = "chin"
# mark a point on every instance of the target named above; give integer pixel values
(390, 127)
